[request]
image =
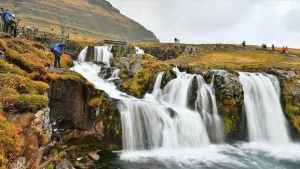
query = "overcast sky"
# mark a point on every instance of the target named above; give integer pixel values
(218, 21)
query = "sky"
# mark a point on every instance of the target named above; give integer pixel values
(218, 21)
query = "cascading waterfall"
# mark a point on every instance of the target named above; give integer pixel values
(207, 106)
(103, 54)
(115, 74)
(82, 55)
(149, 125)
(168, 132)
(156, 89)
(176, 93)
(138, 50)
(265, 118)
(166, 121)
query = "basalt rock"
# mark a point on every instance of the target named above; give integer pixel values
(229, 94)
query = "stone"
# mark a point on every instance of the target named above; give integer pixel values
(94, 156)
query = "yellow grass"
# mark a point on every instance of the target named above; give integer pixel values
(239, 58)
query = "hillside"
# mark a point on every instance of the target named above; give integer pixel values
(96, 19)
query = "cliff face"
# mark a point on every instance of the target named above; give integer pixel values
(90, 18)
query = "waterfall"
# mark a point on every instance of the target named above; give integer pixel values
(103, 54)
(149, 125)
(115, 74)
(176, 93)
(82, 54)
(162, 119)
(138, 50)
(156, 89)
(265, 118)
(207, 106)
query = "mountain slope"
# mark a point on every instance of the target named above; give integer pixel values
(88, 18)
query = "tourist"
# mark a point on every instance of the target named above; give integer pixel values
(13, 25)
(57, 50)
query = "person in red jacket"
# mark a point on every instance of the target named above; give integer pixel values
(286, 50)
(283, 49)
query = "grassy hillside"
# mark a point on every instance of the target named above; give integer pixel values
(89, 18)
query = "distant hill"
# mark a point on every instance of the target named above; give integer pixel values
(87, 18)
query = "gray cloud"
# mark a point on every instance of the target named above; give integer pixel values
(217, 21)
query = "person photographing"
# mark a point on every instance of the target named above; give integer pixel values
(57, 50)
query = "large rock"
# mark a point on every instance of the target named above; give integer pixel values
(230, 96)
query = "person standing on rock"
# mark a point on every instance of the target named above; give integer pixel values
(286, 50)
(55, 137)
(6, 19)
(57, 50)
(273, 47)
(244, 44)
(13, 25)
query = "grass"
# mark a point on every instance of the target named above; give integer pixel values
(238, 59)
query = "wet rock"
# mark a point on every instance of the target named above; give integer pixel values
(94, 156)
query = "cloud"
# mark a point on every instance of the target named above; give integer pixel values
(217, 21)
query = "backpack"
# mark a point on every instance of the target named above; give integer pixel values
(52, 48)
(9, 21)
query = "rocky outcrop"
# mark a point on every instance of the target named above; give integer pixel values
(84, 112)
(169, 51)
(230, 96)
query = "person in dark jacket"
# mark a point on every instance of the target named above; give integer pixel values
(2, 19)
(55, 137)
(13, 25)
(55, 132)
(244, 44)
(58, 48)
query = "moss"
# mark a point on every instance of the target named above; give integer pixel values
(23, 84)
(10, 141)
(230, 112)
(4, 66)
(229, 125)
(3, 44)
(292, 102)
(70, 77)
(140, 82)
(32, 102)
(66, 61)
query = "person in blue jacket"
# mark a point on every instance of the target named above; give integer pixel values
(6, 18)
(57, 50)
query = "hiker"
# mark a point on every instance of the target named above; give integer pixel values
(12, 23)
(52, 30)
(272, 47)
(67, 35)
(28, 28)
(286, 50)
(57, 50)
(283, 49)
(55, 137)
(6, 18)
(175, 40)
(244, 44)
(2, 19)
